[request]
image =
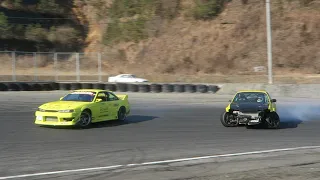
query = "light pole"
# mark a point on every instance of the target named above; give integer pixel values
(269, 46)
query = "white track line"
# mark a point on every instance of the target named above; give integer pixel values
(158, 162)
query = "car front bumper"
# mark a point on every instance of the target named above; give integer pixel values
(56, 119)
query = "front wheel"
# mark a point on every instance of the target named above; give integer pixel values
(85, 119)
(227, 120)
(272, 121)
(122, 114)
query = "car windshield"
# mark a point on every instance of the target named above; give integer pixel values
(257, 97)
(79, 96)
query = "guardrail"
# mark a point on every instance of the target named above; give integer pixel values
(116, 87)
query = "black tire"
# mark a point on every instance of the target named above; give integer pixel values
(213, 88)
(36, 87)
(85, 123)
(122, 115)
(133, 88)
(75, 86)
(98, 86)
(13, 87)
(223, 118)
(190, 88)
(3, 87)
(46, 87)
(111, 87)
(86, 85)
(179, 88)
(144, 88)
(202, 88)
(156, 88)
(24, 86)
(167, 88)
(122, 87)
(274, 120)
(64, 86)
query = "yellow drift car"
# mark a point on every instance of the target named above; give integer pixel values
(82, 107)
(251, 108)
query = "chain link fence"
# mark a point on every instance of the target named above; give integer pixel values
(46, 66)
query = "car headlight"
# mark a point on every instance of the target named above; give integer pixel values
(66, 111)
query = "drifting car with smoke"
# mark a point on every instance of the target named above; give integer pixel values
(251, 108)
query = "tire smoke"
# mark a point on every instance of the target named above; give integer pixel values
(298, 111)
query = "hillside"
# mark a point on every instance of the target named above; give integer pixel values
(175, 39)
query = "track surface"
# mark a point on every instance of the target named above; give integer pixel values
(160, 127)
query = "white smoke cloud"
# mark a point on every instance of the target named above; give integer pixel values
(298, 111)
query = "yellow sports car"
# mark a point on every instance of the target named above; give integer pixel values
(82, 107)
(251, 108)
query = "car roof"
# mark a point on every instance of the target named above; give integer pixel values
(91, 90)
(262, 91)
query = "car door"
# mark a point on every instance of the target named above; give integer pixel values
(114, 105)
(102, 107)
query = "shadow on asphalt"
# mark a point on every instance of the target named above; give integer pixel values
(133, 119)
(130, 120)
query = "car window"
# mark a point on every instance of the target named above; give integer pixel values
(79, 96)
(112, 97)
(258, 97)
(102, 96)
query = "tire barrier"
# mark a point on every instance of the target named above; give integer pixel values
(24, 87)
(156, 88)
(213, 88)
(144, 88)
(35, 87)
(133, 88)
(65, 86)
(167, 88)
(98, 86)
(75, 86)
(122, 87)
(110, 87)
(3, 87)
(116, 87)
(179, 88)
(190, 88)
(202, 88)
(86, 86)
(13, 87)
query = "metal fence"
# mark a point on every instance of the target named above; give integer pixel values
(47, 66)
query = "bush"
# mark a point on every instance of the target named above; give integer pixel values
(128, 18)
(207, 9)
(131, 30)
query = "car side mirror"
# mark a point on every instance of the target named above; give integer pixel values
(273, 100)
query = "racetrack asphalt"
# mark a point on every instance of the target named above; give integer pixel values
(160, 127)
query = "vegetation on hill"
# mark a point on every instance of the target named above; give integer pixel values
(40, 25)
(169, 36)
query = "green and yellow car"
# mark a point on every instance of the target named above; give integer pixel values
(251, 108)
(82, 107)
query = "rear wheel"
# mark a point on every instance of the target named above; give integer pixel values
(122, 114)
(227, 120)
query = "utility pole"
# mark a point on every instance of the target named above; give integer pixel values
(269, 37)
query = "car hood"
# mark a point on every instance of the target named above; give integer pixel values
(62, 105)
(248, 107)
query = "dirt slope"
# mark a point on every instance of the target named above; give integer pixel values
(233, 43)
